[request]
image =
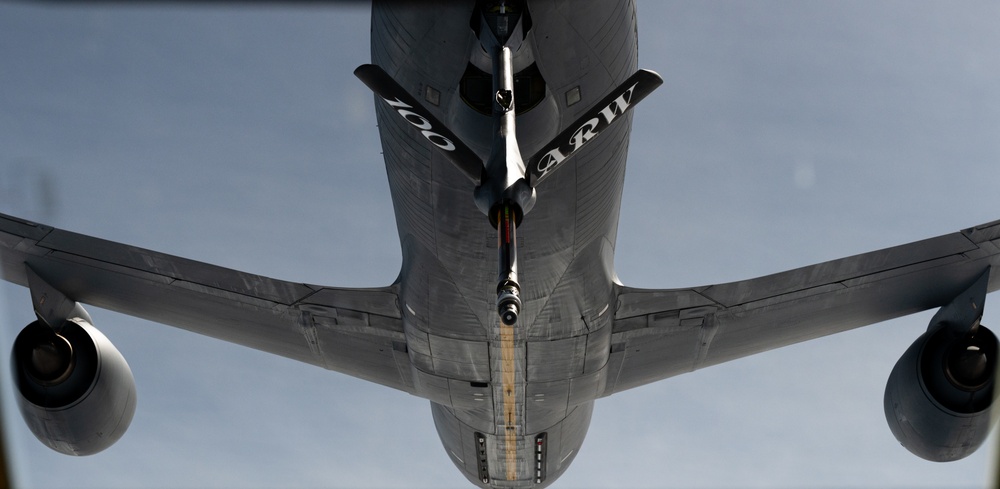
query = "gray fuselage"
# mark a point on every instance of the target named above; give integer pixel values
(516, 405)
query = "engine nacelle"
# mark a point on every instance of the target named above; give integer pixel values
(76, 392)
(939, 394)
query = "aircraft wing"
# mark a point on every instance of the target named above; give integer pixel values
(358, 332)
(659, 333)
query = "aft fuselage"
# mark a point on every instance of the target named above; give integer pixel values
(511, 404)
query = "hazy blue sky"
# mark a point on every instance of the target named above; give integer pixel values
(786, 133)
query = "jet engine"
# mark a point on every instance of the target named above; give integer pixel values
(76, 392)
(939, 394)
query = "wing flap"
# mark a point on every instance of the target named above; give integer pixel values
(354, 331)
(375, 301)
(839, 271)
(659, 333)
(172, 267)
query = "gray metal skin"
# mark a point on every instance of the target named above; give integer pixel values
(97, 418)
(435, 333)
(566, 243)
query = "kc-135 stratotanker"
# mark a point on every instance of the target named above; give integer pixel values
(492, 129)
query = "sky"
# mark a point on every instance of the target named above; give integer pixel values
(785, 133)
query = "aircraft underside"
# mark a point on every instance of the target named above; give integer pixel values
(512, 402)
(505, 135)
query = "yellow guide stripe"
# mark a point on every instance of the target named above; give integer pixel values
(509, 398)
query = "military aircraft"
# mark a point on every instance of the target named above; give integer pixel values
(527, 219)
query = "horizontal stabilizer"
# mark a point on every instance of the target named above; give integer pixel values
(598, 118)
(432, 129)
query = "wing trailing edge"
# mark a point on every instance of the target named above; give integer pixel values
(355, 331)
(659, 333)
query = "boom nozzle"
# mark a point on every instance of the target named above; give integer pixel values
(508, 304)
